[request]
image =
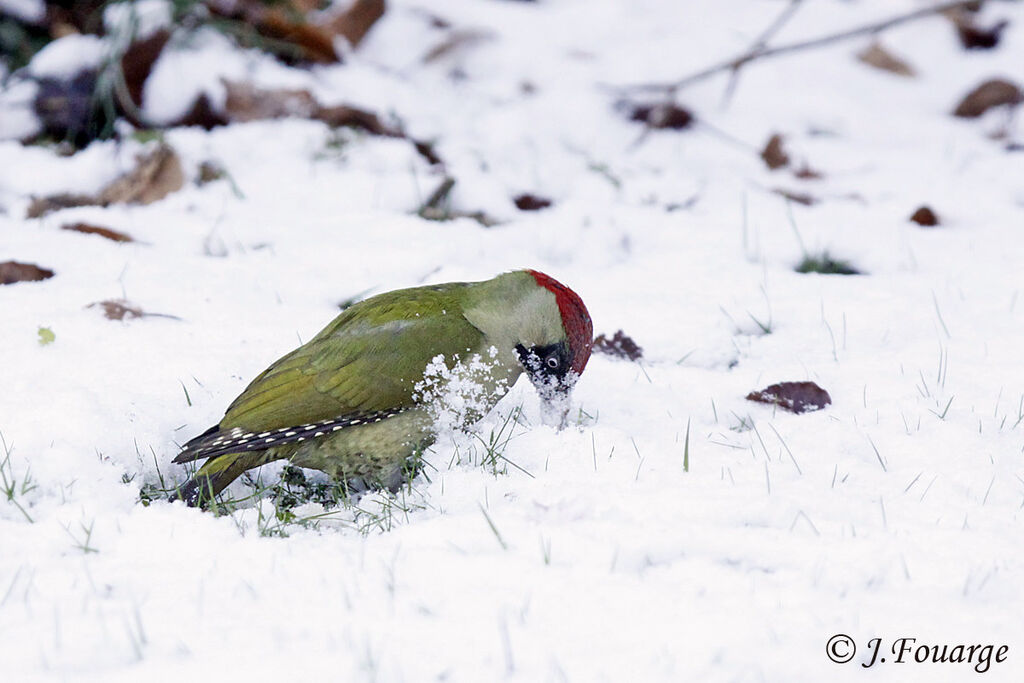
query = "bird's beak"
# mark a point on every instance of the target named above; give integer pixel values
(553, 383)
(556, 398)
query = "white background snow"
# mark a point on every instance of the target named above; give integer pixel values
(896, 512)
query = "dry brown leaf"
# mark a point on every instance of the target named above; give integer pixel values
(40, 206)
(663, 115)
(97, 230)
(287, 22)
(972, 36)
(925, 217)
(991, 93)
(246, 102)
(316, 43)
(155, 176)
(796, 397)
(773, 154)
(298, 24)
(138, 61)
(344, 115)
(202, 114)
(454, 41)
(531, 202)
(118, 309)
(12, 271)
(356, 21)
(805, 172)
(67, 18)
(798, 197)
(878, 57)
(620, 345)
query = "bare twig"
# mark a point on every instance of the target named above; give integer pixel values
(760, 44)
(762, 52)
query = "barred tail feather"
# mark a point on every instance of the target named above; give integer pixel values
(212, 478)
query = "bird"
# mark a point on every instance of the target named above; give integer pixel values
(354, 402)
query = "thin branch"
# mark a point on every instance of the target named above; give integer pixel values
(788, 12)
(762, 52)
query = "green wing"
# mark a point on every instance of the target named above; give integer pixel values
(367, 359)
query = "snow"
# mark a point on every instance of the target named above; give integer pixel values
(66, 56)
(27, 10)
(136, 19)
(582, 554)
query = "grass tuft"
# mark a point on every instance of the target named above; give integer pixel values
(11, 485)
(825, 264)
(686, 449)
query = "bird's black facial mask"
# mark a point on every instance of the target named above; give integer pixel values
(550, 371)
(547, 366)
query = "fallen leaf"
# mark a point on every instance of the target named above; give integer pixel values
(798, 197)
(531, 202)
(454, 41)
(878, 57)
(81, 16)
(285, 22)
(797, 397)
(155, 176)
(662, 115)
(137, 62)
(46, 336)
(118, 309)
(40, 206)
(296, 29)
(992, 93)
(202, 114)
(97, 230)
(773, 154)
(12, 271)
(353, 117)
(925, 217)
(620, 345)
(245, 102)
(313, 42)
(354, 23)
(805, 172)
(971, 35)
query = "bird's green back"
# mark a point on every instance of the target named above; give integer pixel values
(367, 359)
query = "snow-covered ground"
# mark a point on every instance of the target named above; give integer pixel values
(896, 512)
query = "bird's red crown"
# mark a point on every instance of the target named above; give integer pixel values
(575, 319)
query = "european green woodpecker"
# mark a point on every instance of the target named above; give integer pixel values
(351, 402)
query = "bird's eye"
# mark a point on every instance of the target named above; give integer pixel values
(552, 362)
